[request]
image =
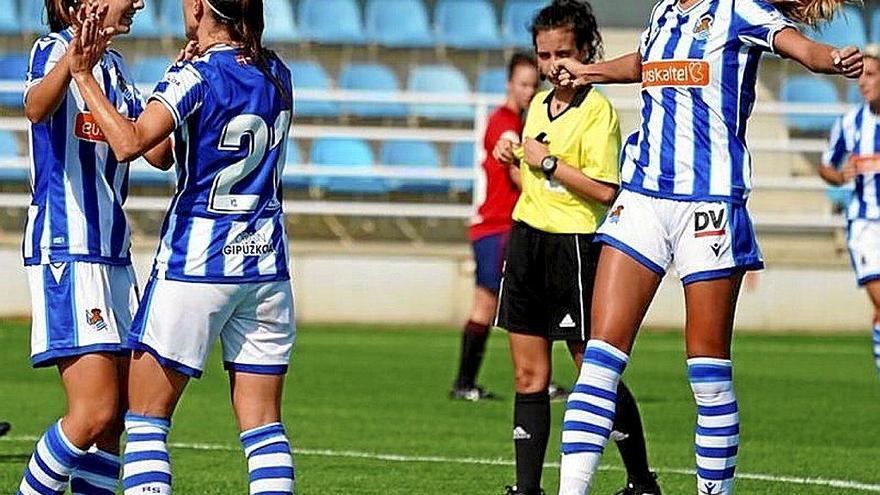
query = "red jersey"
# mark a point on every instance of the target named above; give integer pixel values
(499, 193)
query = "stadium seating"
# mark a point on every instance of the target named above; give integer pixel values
(809, 89)
(370, 77)
(516, 20)
(854, 95)
(149, 71)
(839, 196)
(875, 25)
(171, 19)
(280, 25)
(331, 21)
(461, 155)
(10, 21)
(343, 152)
(847, 28)
(9, 149)
(492, 81)
(146, 22)
(412, 154)
(33, 17)
(293, 178)
(466, 24)
(440, 79)
(13, 67)
(398, 23)
(310, 75)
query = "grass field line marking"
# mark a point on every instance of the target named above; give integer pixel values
(353, 454)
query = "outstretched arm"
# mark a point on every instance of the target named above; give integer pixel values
(625, 69)
(818, 57)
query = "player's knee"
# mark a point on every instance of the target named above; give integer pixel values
(531, 379)
(96, 421)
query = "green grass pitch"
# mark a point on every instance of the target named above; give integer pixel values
(810, 408)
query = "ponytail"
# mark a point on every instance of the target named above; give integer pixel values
(811, 12)
(244, 19)
(57, 13)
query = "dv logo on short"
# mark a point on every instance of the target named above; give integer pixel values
(709, 223)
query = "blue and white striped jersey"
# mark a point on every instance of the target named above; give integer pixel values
(856, 137)
(699, 70)
(78, 186)
(225, 224)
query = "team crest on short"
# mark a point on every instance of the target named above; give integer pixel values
(615, 215)
(703, 28)
(94, 318)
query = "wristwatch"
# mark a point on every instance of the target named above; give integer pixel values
(548, 166)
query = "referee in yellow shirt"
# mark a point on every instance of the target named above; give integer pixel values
(570, 174)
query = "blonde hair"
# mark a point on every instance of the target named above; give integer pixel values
(872, 50)
(811, 12)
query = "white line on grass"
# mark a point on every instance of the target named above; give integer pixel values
(352, 454)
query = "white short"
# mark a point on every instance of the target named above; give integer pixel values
(80, 308)
(863, 240)
(178, 323)
(701, 240)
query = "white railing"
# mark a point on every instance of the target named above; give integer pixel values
(482, 103)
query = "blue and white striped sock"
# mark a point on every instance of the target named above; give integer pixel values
(147, 466)
(96, 474)
(49, 468)
(717, 431)
(270, 463)
(589, 416)
(877, 346)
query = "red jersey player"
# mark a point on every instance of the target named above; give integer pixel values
(490, 228)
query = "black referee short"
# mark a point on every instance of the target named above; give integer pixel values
(547, 285)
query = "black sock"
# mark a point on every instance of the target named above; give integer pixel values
(531, 430)
(632, 448)
(473, 346)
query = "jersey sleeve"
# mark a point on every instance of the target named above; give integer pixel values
(45, 54)
(758, 22)
(837, 151)
(600, 145)
(182, 91)
(649, 27)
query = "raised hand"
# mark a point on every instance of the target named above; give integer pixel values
(90, 37)
(565, 73)
(848, 61)
(188, 52)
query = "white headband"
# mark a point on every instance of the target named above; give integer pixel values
(221, 14)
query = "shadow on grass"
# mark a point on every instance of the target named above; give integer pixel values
(14, 458)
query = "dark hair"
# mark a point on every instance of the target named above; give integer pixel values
(520, 58)
(576, 15)
(56, 13)
(245, 21)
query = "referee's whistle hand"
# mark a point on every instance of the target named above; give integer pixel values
(535, 151)
(503, 152)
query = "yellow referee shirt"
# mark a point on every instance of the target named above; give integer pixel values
(586, 136)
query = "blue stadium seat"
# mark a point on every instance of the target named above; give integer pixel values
(516, 21)
(444, 79)
(280, 25)
(10, 21)
(146, 22)
(33, 17)
(13, 67)
(854, 94)
(9, 149)
(141, 173)
(412, 154)
(398, 23)
(492, 81)
(171, 17)
(466, 24)
(461, 155)
(331, 21)
(147, 72)
(292, 178)
(370, 77)
(809, 89)
(310, 75)
(344, 152)
(839, 196)
(847, 28)
(875, 25)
